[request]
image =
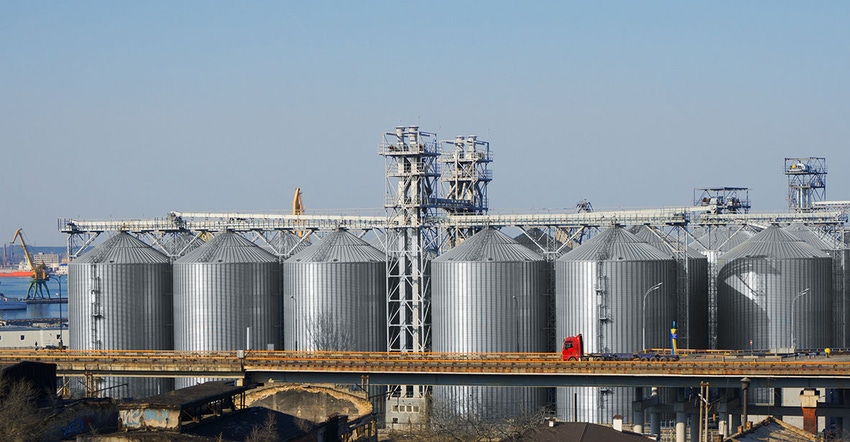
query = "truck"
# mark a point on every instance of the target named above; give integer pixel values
(573, 350)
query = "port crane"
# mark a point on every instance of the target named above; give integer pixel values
(40, 275)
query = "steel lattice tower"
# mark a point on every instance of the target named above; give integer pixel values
(412, 187)
(465, 176)
(806, 182)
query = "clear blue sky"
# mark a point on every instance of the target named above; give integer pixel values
(134, 109)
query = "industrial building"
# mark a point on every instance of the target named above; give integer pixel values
(440, 276)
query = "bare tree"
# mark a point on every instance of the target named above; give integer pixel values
(19, 416)
(266, 433)
(328, 334)
(447, 425)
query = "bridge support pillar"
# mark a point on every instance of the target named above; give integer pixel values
(682, 408)
(655, 423)
(681, 425)
(637, 411)
(809, 402)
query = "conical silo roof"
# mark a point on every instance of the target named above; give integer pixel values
(664, 242)
(775, 243)
(339, 246)
(538, 240)
(615, 244)
(122, 249)
(286, 244)
(489, 245)
(724, 238)
(228, 247)
(812, 238)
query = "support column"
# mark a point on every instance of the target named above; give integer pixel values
(809, 402)
(655, 415)
(637, 411)
(655, 422)
(681, 424)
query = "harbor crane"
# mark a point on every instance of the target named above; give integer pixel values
(40, 275)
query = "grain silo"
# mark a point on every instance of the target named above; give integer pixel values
(840, 258)
(336, 296)
(774, 291)
(226, 297)
(614, 289)
(489, 295)
(119, 298)
(694, 318)
(716, 241)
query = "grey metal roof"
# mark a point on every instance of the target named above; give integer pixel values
(228, 247)
(339, 246)
(725, 238)
(615, 244)
(812, 238)
(489, 245)
(775, 243)
(122, 249)
(661, 241)
(535, 238)
(286, 244)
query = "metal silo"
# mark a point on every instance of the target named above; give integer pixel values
(489, 294)
(226, 297)
(696, 314)
(772, 289)
(716, 241)
(119, 298)
(613, 289)
(840, 255)
(336, 296)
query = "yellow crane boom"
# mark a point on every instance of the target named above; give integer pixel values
(40, 275)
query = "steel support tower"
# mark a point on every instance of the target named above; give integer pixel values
(465, 176)
(806, 182)
(412, 191)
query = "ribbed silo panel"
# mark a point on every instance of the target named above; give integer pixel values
(489, 404)
(755, 296)
(595, 404)
(119, 298)
(488, 307)
(600, 294)
(335, 306)
(221, 290)
(697, 272)
(837, 251)
(215, 304)
(489, 295)
(844, 295)
(699, 299)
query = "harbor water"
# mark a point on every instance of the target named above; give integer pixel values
(16, 288)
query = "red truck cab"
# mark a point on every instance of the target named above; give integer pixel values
(573, 348)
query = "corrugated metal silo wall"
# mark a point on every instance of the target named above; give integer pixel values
(122, 307)
(755, 297)
(577, 311)
(698, 292)
(845, 293)
(216, 303)
(335, 306)
(489, 307)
